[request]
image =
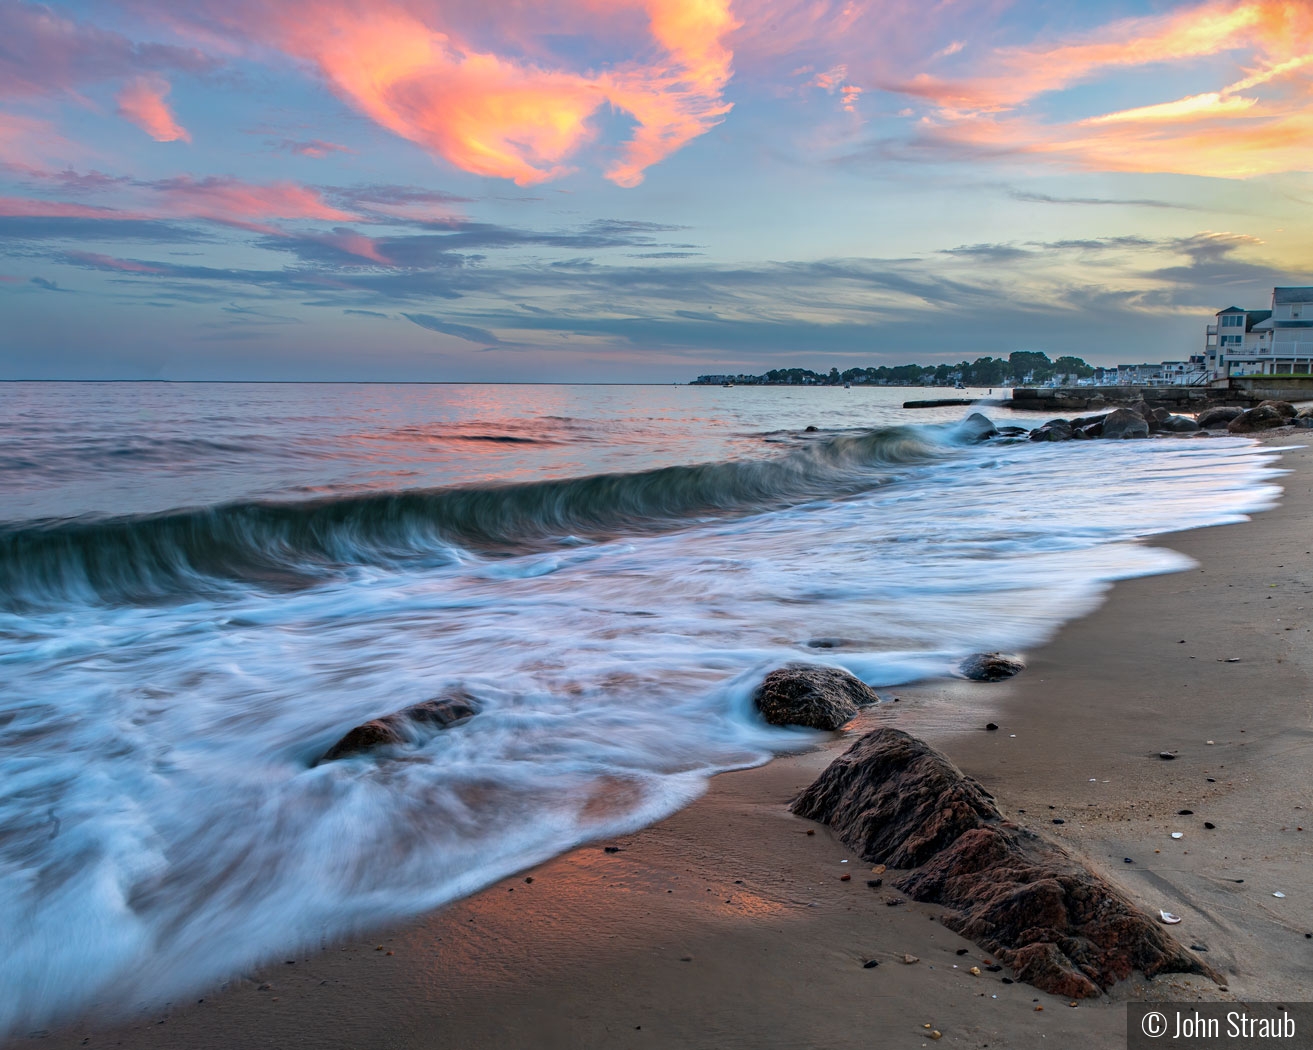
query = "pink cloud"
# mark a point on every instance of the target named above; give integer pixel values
(316, 148)
(109, 262)
(142, 102)
(474, 84)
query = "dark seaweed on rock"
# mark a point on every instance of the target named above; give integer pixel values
(285, 545)
(896, 801)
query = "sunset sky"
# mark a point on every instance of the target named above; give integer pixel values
(639, 189)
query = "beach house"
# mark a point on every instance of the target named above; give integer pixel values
(1278, 341)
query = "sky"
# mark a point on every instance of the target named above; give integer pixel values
(639, 190)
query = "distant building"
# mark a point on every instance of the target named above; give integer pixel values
(1278, 341)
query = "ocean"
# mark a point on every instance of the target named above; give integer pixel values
(203, 586)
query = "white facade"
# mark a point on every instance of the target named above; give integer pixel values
(1278, 341)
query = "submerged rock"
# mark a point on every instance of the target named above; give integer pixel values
(1030, 904)
(409, 725)
(1218, 417)
(1124, 423)
(990, 667)
(1264, 417)
(810, 695)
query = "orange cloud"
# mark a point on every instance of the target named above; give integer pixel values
(142, 102)
(521, 113)
(1234, 131)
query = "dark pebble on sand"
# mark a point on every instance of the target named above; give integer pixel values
(893, 903)
(1166, 756)
(611, 849)
(1198, 948)
(994, 968)
(845, 878)
(870, 964)
(991, 726)
(528, 878)
(962, 951)
(1185, 813)
(811, 831)
(1127, 860)
(1209, 825)
(1007, 980)
(1058, 820)
(875, 883)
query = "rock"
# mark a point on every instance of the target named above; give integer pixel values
(1264, 417)
(1180, 425)
(409, 725)
(990, 667)
(1012, 432)
(1053, 430)
(1029, 903)
(1305, 413)
(1217, 417)
(977, 427)
(1123, 423)
(1081, 422)
(809, 695)
(1284, 407)
(991, 726)
(809, 429)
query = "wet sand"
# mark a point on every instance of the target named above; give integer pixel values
(728, 925)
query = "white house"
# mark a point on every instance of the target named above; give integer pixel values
(1278, 341)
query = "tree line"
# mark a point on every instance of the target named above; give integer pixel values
(1020, 367)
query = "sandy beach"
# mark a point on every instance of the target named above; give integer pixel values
(730, 925)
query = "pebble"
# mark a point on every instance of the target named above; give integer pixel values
(993, 968)
(875, 883)
(908, 960)
(974, 971)
(1209, 825)
(962, 951)
(1185, 813)
(1127, 860)
(870, 964)
(610, 849)
(991, 726)
(845, 878)
(1166, 756)
(1008, 980)
(1058, 820)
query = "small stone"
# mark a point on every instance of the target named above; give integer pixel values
(1209, 825)
(1127, 860)
(974, 971)
(962, 951)
(994, 968)
(528, 878)
(845, 878)
(1058, 820)
(1166, 756)
(1039, 1009)
(935, 1033)
(991, 726)
(686, 958)
(870, 964)
(265, 987)
(611, 849)
(1185, 812)
(811, 831)
(1007, 980)
(875, 883)
(908, 960)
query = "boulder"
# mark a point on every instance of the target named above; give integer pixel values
(410, 725)
(1081, 422)
(1180, 425)
(1284, 407)
(1264, 417)
(810, 695)
(977, 427)
(1142, 409)
(1124, 423)
(1305, 413)
(1012, 432)
(990, 667)
(1217, 417)
(1090, 430)
(1053, 430)
(1030, 904)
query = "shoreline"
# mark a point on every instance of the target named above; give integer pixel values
(727, 924)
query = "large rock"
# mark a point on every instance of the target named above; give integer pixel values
(408, 726)
(977, 427)
(1180, 425)
(1053, 430)
(1264, 417)
(1124, 423)
(1305, 413)
(990, 667)
(810, 695)
(1030, 904)
(1216, 418)
(1284, 407)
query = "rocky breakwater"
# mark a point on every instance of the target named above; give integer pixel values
(895, 801)
(1143, 420)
